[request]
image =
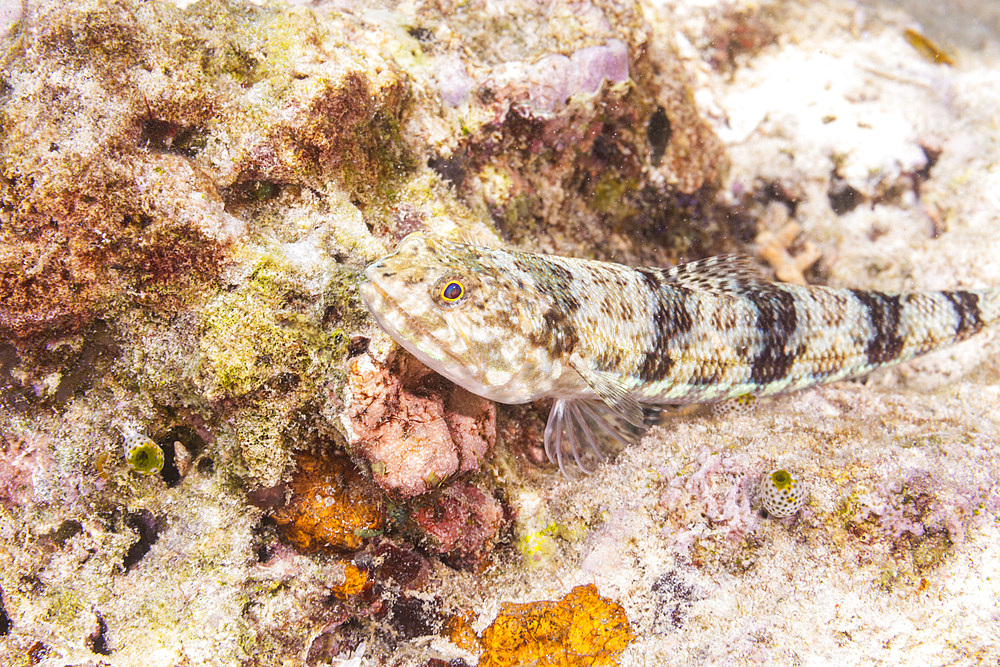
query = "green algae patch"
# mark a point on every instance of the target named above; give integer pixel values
(258, 436)
(611, 195)
(259, 330)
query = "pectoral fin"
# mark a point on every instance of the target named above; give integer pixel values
(611, 390)
(584, 433)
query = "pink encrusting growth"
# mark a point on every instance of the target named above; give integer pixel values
(463, 523)
(21, 459)
(415, 430)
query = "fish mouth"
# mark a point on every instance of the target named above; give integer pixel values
(405, 330)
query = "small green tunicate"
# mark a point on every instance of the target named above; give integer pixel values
(142, 454)
(781, 493)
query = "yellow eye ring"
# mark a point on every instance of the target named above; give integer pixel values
(452, 291)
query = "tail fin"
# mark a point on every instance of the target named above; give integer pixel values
(929, 321)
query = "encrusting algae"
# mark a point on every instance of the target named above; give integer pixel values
(332, 506)
(582, 629)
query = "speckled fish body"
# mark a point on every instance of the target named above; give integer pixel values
(606, 339)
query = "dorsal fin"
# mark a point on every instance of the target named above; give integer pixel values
(714, 274)
(480, 238)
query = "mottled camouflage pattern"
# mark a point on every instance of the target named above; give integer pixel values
(532, 326)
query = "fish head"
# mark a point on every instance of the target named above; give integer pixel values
(459, 310)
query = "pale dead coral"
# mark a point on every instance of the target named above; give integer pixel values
(775, 247)
(415, 433)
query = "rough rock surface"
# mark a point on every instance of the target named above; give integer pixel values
(189, 192)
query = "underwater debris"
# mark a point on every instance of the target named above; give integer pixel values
(142, 454)
(927, 48)
(782, 494)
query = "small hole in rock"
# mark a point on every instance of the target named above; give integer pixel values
(37, 653)
(411, 617)
(162, 135)
(658, 133)
(5, 621)
(170, 474)
(96, 640)
(451, 169)
(58, 537)
(266, 539)
(254, 191)
(180, 445)
(148, 528)
(843, 197)
(206, 466)
(420, 34)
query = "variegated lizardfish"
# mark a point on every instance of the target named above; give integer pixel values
(613, 344)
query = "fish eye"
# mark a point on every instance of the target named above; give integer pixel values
(452, 291)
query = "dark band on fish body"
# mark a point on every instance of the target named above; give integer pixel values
(884, 313)
(705, 376)
(777, 321)
(670, 319)
(557, 333)
(966, 305)
(560, 280)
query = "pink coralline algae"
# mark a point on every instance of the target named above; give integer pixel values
(454, 82)
(19, 462)
(713, 500)
(415, 428)
(463, 524)
(923, 503)
(549, 83)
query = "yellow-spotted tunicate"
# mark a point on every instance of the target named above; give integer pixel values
(142, 454)
(781, 493)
